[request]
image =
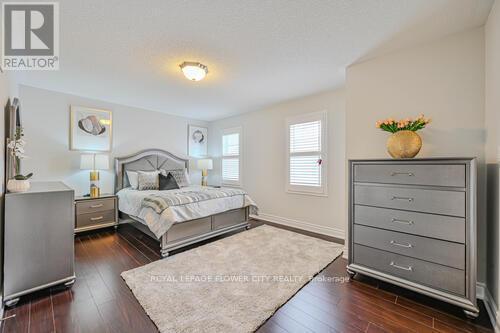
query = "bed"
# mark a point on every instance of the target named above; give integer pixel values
(183, 224)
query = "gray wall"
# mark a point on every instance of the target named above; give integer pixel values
(46, 123)
(264, 163)
(444, 80)
(492, 122)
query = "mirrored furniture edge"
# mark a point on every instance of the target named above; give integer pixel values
(412, 223)
(96, 213)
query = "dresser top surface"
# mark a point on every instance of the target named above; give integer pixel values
(44, 187)
(414, 160)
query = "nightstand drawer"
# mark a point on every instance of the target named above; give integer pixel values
(94, 205)
(94, 219)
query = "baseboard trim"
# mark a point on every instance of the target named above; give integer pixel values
(319, 229)
(491, 307)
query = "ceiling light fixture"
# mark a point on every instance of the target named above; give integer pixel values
(194, 71)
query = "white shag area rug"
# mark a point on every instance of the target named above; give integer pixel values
(231, 285)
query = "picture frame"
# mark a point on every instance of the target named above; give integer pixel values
(197, 141)
(90, 129)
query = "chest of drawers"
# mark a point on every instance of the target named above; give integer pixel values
(413, 223)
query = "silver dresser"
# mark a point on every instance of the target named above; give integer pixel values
(39, 239)
(413, 223)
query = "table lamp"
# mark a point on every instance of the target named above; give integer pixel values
(204, 165)
(94, 163)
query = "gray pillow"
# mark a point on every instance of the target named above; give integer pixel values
(148, 180)
(180, 175)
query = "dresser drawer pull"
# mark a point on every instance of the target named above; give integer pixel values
(407, 222)
(402, 198)
(407, 245)
(97, 206)
(96, 218)
(407, 268)
(409, 174)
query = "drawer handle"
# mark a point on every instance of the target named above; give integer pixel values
(407, 245)
(407, 222)
(97, 206)
(96, 218)
(402, 198)
(409, 174)
(407, 268)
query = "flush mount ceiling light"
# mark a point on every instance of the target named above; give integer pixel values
(194, 71)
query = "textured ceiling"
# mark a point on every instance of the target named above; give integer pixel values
(258, 52)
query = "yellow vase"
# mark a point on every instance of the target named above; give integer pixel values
(404, 144)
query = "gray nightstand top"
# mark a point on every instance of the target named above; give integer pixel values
(103, 196)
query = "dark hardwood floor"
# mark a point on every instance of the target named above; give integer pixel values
(100, 301)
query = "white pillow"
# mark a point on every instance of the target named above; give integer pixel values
(133, 179)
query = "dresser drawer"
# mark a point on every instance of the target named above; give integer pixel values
(94, 219)
(429, 249)
(187, 229)
(415, 270)
(412, 174)
(420, 200)
(94, 205)
(436, 226)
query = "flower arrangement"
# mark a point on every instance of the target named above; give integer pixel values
(16, 148)
(408, 124)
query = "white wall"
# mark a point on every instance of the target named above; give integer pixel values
(264, 160)
(45, 118)
(492, 107)
(445, 81)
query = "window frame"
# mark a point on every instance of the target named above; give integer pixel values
(229, 131)
(304, 189)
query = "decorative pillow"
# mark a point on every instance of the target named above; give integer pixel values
(180, 175)
(133, 179)
(148, 180)
(168, 182)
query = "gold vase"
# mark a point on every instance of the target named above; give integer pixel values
(404, 144)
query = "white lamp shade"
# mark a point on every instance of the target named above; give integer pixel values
(205, 164)
(94, 162)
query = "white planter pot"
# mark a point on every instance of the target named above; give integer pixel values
(15, 186)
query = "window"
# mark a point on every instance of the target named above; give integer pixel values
(231, 156)
(306, 154)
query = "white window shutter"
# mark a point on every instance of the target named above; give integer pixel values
(306, 153)
(231, 156)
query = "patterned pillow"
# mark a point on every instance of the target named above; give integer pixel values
(148, 180)
(180, 175)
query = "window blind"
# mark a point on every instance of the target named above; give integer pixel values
(231, 158)
(305, 153)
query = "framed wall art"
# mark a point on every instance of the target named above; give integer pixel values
(90, 129)
(197, 141)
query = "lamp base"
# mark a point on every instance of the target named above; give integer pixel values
(95, 191)
(204, 177)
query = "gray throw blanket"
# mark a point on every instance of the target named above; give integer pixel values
(165, 199)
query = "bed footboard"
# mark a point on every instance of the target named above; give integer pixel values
(190, 232)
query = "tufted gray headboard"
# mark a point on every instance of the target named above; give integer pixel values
(146, 160)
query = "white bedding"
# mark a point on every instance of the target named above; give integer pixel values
(130, 202)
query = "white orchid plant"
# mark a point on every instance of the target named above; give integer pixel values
(16, 150)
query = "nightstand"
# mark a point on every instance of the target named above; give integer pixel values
(96, 213)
